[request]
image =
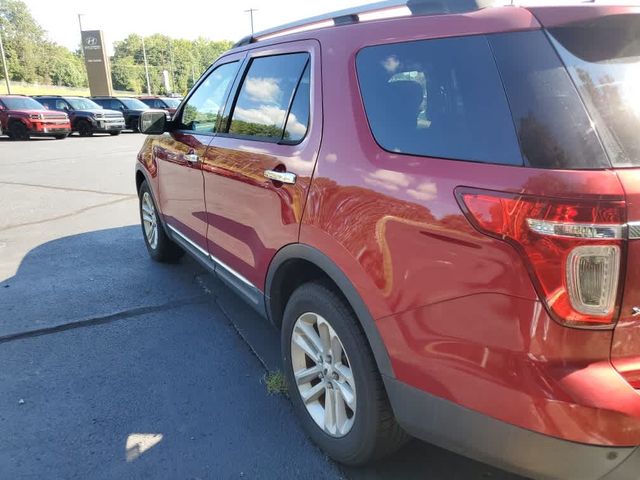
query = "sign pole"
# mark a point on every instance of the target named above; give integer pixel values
(4, 63)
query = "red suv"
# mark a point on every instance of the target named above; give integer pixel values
(23, 117)
(440, 210)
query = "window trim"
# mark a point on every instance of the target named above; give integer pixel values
(177, 118)
(224, 132)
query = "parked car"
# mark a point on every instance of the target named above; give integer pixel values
(440, 212)
(87, 117)
(130, 107)
(23, 117)
(169, 104)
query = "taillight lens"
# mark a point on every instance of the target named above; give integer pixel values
(573, 249)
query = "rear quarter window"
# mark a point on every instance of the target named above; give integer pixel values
(438, 98)
(554, 128)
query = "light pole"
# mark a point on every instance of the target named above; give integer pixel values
(146, 67)
(4, 62)
(250, 11)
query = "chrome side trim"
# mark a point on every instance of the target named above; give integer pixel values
(216, 260)
(634, 230)
(189, 241)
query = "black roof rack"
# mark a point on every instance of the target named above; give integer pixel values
(352, 15)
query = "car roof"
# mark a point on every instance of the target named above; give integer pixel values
(359, 30)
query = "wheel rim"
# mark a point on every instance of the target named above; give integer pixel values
(149, 220)
(323, 374)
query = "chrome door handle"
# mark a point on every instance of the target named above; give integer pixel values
(191, 158)
(282, 177)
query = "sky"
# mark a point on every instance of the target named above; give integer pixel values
(213, 19)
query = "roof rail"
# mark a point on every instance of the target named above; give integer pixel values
(351, 15)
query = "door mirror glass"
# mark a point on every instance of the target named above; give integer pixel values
(153, 123)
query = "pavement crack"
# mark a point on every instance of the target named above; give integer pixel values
(66, 215)
(104, 319)
(66, 189)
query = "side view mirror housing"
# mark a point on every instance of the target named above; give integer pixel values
(153, 123)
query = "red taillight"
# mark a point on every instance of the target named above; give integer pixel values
(572, 248)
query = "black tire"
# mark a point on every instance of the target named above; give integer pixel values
(135, 128)
(61, 137)
(115, 134)
(18, 131)
(165, 250)
(84, 128)
(374, 433)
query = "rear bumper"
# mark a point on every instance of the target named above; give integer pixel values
(512, 448)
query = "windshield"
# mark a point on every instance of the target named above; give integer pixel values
(133, 104)
(603, 58)
(171, 102)
(21, 103)
(83, 104)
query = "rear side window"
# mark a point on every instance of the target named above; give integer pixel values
(298, 119)
(265, 97)
(554, 128)
(439, 98)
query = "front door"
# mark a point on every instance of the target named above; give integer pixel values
(258, 168)
(179, 156)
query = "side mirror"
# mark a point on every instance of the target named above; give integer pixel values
(152, 123)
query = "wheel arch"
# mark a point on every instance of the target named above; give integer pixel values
(298, 263)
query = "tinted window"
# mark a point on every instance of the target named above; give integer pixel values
(48, 103)
(21, 103)
(553, 126)
(298, 119)
(266, 93)
(603, 58)
(82, 103)
(134, 104)
(204, 107)
(439, 98)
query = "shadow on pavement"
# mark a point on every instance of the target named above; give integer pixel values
(123, 349)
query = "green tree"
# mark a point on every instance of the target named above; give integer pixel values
(184, 61)
(31, 57)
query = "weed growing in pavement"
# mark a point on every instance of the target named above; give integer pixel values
(276, 383)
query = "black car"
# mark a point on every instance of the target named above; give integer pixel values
(130, 107)
(87, 117)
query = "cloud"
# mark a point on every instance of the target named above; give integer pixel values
(264, 90)
(388, 180)
(295, 128)
(425, 191)
(265, 115)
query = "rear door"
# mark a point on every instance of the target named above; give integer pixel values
(258, 169)
(179, 154)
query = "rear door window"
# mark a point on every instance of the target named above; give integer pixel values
(266, 95)
(438, 98)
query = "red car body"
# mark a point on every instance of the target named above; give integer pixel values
(38, 122)
(472, 355)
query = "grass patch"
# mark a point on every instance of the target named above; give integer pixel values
(276, 383)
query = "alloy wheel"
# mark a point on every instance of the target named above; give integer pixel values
(149, 220)
(323, 374)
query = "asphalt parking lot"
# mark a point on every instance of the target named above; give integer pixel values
(113, 366)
